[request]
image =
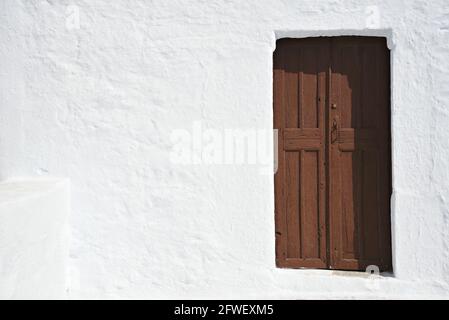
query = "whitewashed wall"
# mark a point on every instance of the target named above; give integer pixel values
(34, 234)
(96, 101)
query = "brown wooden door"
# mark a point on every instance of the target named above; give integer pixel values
(333, 184)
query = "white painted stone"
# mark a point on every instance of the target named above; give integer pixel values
(34, 238)
(97, 104)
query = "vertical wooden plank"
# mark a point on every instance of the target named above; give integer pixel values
(279, 177)
(371, 204)
(370, 157)
(349, 105)
(385, 185)
(293, 203)
(334, 182)
(310, 208)
(370, 102)
(322, 87)
(348, 206)
(313, 228)
(291, 76)
(309, 86)
(360, 178)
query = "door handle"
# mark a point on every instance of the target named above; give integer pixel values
(334, 130)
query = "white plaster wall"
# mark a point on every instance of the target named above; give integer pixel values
(97, 104)
(34, 235)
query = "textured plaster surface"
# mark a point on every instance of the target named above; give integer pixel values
(97, 104)
(34, 238)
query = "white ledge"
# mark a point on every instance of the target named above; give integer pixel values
(34, 238)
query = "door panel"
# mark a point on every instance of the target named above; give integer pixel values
(332, 187)
(300, 90)
(361, 183)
